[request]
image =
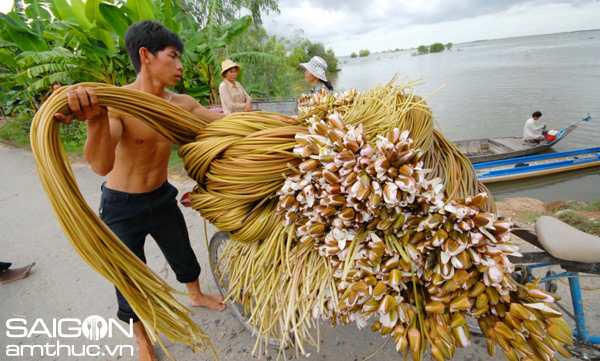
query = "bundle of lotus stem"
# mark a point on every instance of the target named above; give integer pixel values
(357, 208)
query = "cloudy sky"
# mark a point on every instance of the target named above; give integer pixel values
(5, 6)
(351, 25)
(348, 26)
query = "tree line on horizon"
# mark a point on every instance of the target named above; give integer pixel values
(433, 48)
(423, 49)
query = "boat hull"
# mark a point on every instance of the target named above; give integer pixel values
(492, 149)
(534, 166)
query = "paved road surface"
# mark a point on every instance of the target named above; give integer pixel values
(62, 285)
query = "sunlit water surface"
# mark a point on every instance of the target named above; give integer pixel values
(490, 88)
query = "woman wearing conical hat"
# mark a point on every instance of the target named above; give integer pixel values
(233, 96)
(314, 73)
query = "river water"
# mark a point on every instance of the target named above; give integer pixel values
(490, 88)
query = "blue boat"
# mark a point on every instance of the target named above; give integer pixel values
(533, 166)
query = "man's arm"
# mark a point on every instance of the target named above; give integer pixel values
(103, 129)
(101, 143)
(191, 105)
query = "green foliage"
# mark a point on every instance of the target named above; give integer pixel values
(46, 42)
(17, 130)
(175, 161)
(436, 48)
(448, 46)
(423, 49)
(11, 104)
(364, 52)
(318, 49)
(353, 55)
(567, 212)
(587, 206)
(274, 74)
(225, 11)
(204, 61)
(73, 136)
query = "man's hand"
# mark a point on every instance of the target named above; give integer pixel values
(83, 103)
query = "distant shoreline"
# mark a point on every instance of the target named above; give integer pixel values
(480, 41)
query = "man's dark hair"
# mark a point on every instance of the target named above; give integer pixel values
(152, 36)
(536, 114)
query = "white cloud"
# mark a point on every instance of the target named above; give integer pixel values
(5, 6)
(348, 26)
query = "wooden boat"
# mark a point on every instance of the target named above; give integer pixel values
(491, 149)
(537, 165)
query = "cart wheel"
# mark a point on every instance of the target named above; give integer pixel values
(584, 351)
(520, 275)
(217, 246)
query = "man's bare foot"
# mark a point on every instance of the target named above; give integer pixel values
(15, 274)
(211, 301)
(145, 349)
(146, 352)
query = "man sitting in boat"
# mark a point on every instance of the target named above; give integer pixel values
(532, 133)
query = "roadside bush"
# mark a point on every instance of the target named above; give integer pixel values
(364, 52)
(73, 136)
(17, 130)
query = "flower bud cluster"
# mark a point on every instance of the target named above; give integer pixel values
(399, 251)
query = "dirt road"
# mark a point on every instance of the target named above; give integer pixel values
(63, 286)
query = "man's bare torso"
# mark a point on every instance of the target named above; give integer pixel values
(141, 155)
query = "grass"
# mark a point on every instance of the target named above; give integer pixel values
(582, 224)
(17, 129)
(585, 207)
(530, 217)
(569, 212)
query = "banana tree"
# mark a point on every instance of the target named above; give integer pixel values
(211, 49)
(68, 41)
(18, 35)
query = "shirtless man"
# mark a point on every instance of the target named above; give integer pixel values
(137, 199)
